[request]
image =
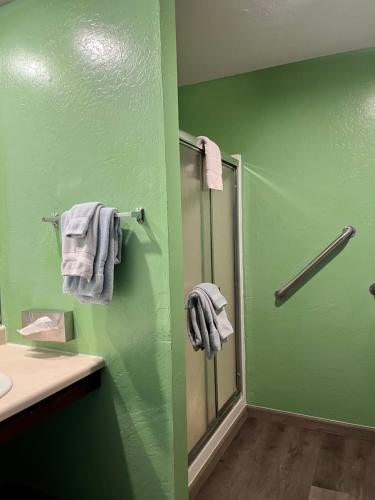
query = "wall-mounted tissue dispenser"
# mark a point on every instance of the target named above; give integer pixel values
(51, 326)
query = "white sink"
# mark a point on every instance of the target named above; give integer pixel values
(5, 384)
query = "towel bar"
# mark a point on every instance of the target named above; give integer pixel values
(347, 233)
(137, 213)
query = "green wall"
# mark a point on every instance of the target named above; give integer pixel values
(307, 135)
(85, 115)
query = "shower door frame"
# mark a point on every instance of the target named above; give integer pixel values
(228, 414)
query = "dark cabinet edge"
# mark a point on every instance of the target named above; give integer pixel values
(41, 411)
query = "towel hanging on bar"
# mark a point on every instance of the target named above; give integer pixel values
(137, 213)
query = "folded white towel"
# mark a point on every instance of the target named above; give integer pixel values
(79, 219)
(213, 166)
(79, 245)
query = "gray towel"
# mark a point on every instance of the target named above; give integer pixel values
(208, 324)
(79, 246)
(113, 258)
(79, 219)
(99, 289)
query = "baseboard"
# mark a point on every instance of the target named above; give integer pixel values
(314, 423)
(219, 451)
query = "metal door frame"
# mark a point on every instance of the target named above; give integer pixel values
(190, 141)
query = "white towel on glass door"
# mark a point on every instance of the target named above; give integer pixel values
(214, 169)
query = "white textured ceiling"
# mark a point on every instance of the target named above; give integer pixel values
(217, 38)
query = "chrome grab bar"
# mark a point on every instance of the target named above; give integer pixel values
(347, 233)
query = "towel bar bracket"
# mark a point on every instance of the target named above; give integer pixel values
(54, 219)
(137, 213)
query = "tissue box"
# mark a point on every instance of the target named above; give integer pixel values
(63, 320)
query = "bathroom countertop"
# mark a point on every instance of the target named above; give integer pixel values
(39, 373)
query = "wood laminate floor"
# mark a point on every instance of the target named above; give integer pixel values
(271, 460)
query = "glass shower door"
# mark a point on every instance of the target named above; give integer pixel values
(200, 374)
(223, 208)
(209, 248)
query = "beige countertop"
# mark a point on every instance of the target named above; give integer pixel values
(39, 373)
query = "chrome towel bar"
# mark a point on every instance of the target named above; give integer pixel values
(347, 233)
(137, 213)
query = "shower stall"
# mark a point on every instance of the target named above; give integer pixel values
(211, 250)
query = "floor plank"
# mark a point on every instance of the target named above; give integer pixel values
(328, 469)
(232, 467)
(263, 479)
(342, 466)
(299, 464)
(270, 460)
(368, 485)
(323, 494)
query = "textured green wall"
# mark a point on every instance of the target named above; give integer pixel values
(307, 135)
(84, 116)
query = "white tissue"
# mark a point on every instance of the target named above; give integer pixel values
(43, 324)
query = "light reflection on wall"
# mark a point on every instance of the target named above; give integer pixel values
(369, 106)
(100, 47)
(29, 67)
